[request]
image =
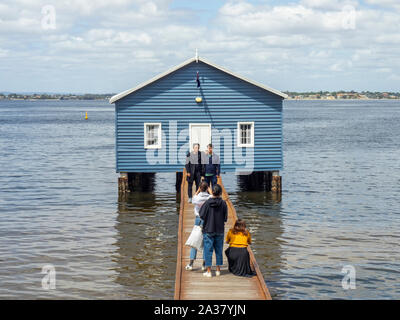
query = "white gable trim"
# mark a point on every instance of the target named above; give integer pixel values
(126, 92)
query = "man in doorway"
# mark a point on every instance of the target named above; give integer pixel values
(194, 169)
(211, 166)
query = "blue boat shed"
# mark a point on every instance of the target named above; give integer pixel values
(157, 122)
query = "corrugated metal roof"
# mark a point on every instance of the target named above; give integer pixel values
(144, 84)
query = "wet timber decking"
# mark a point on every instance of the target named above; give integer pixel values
(192, 285)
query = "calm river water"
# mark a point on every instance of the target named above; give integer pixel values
(59, 206)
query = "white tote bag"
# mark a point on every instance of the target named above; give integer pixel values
(195, 239)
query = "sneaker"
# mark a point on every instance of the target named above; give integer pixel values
(203, 267)
(207, 274)
(189, 267)
(190, 200)
(217, 273)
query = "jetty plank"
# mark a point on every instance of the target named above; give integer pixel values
(192, 285)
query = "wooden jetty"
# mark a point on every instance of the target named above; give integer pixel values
(192, 285)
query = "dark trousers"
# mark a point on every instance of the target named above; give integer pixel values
(211, 180)
(196, 179)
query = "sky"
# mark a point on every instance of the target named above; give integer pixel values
(101, 46)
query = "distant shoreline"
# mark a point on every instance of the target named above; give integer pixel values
(372, 99)
(12, 99)
(312, 96)
(288, 99)
(54, 96)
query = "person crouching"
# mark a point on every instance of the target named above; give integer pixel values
(238, 239)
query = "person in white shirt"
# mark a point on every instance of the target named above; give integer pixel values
(201, 196)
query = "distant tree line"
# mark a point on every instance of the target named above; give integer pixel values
(292, 95)
(343, 95)
(47, 96)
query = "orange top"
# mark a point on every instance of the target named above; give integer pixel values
(238, 240)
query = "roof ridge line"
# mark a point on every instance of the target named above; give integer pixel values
(188, 61)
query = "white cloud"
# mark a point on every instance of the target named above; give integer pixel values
(87, 7)
(119, 43)
(112, 37)
(328, 4)
(320, 54)
(288, 19)
(385, 3)
(3, 53)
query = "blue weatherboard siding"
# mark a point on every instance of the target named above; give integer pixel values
(226, 100)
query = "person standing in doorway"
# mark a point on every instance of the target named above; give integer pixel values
(194, 169)
(211, 166)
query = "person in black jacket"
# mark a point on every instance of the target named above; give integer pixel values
(214, 214)
(210, 165)
(194, 169)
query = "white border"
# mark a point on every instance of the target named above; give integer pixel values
(157, 146)
(190, 132)
(250, 145)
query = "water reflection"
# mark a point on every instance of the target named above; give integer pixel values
(262, 212)
(146, 242)
(339, 206)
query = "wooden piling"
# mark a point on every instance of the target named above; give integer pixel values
(178, 181)
(136, 181)
(276, 182)
(123, 185)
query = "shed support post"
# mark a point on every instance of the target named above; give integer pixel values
(267, 180)
(276, 183)
(179, 177)
(256, 180)
(141, 181)
(123, 185)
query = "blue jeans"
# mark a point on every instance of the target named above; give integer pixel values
(193, 251)
(211, 180)
(213, 242)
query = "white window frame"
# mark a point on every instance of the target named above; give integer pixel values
(247, 145)
(156, 146)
